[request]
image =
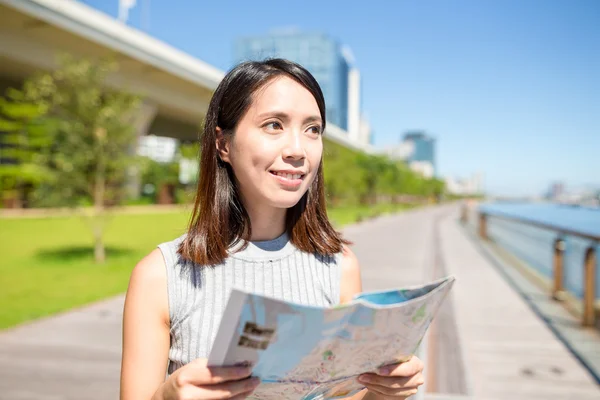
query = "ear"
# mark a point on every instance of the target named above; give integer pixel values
(222, 145)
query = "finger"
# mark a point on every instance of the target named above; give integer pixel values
(228, 390)
(393, 381)
(396, 393)
(199, 374)
(408, 368)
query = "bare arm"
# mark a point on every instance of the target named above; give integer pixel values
(351, 284)
(145, 330)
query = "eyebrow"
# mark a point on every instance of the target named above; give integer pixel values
(285, 117)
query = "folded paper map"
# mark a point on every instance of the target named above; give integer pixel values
(303, 352)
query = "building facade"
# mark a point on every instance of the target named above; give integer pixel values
(318, 53)
(421, 156)
(158, 148)
(355, 121)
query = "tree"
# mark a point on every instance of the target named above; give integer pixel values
(343, 176)
(162, 176)
(355, 177)
(23, 132)
(373, 167)
(91, 144)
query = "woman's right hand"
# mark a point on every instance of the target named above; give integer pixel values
(196, 381)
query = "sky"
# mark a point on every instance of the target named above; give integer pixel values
(509, 89)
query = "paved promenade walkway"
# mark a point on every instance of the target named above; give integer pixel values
(486, 343)
(510, 351)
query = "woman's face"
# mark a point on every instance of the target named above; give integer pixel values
(276, 149)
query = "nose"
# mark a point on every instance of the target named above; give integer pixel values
(294, 147)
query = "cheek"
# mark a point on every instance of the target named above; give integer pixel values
(315, 154)
(261, 158)
(249, 162)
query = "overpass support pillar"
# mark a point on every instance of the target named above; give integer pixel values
(141, 125)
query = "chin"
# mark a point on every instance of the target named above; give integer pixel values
(286, 201)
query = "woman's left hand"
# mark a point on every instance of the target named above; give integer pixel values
(396, 381)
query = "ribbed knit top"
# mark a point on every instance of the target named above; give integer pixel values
(275, 268)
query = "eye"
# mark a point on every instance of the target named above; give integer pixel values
(273, 125)
(316, 129)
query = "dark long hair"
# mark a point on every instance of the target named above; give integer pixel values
(219, 219)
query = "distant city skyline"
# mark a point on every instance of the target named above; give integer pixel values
(510, 89)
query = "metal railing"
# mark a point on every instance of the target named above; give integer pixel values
(590, 315)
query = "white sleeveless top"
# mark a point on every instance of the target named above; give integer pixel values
(275, 268)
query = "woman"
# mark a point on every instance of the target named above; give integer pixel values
(258, 222)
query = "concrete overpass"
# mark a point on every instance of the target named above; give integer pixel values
(176, 86)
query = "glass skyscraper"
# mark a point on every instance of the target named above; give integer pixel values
(423, 149)
(318, 53)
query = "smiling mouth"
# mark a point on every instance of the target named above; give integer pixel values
(288, 180)
(290, 177)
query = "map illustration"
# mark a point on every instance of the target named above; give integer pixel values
(303, 352)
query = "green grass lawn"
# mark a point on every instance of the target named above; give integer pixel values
(46, 264)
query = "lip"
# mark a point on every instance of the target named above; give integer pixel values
(288, 171)
(289, 183)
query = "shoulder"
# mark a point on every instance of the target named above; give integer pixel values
(148, 285)
(351, 283)
(349, 261)
(150, 269)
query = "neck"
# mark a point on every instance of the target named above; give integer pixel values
(267, 223)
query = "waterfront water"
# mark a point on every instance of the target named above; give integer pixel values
(535, 245)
